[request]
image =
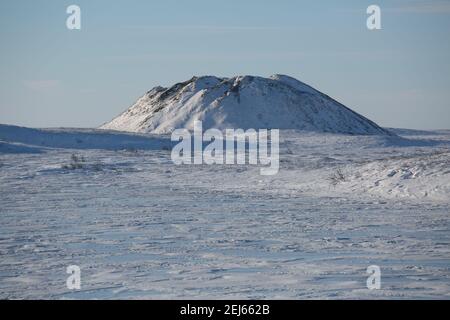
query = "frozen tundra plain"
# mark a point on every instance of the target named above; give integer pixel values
(141, 227)
(349, 194)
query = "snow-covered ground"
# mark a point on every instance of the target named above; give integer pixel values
(141, 227)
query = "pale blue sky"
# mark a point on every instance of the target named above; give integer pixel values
(51, 76)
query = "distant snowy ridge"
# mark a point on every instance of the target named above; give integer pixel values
(278, 102)
(14, 139)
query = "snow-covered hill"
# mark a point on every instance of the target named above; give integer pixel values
(279, 102)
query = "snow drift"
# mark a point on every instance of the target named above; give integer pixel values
(14, 139)
(245, 102)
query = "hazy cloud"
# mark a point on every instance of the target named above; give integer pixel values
(42, 85)
(422, 6)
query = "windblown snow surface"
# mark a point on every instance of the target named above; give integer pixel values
(141, 227)
(244, 102)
